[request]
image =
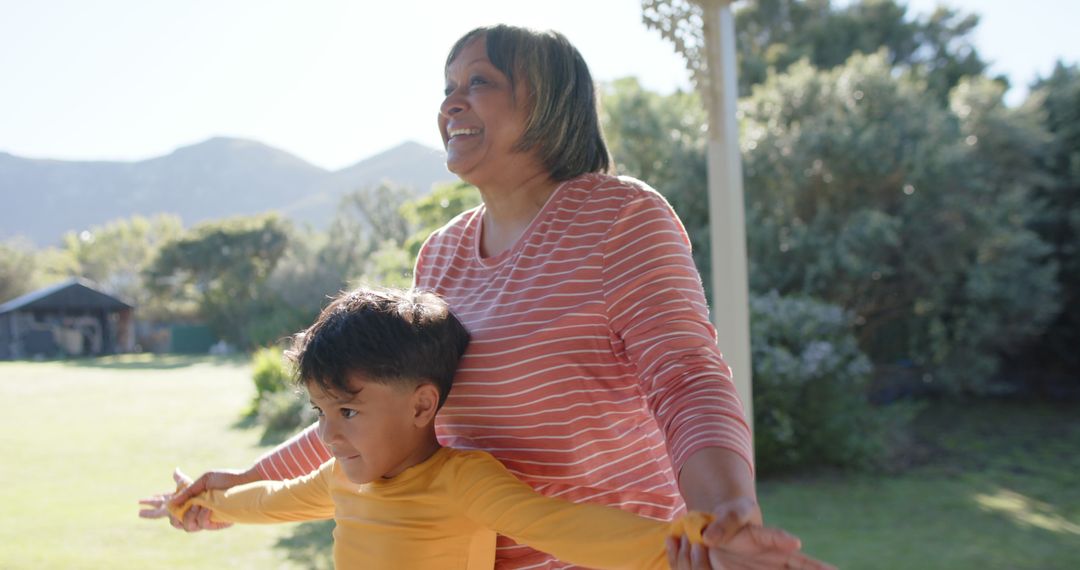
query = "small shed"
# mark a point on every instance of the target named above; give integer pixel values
(70, 318)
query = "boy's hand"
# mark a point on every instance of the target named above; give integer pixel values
(197, 518)
(159, 504)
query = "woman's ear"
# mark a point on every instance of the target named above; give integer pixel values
(425, 404)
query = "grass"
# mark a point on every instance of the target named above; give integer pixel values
(996, 485)
(82, 441)
(996, 489)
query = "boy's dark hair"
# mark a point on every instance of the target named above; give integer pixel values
(387, 335)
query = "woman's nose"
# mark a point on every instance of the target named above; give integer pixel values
(452, 105)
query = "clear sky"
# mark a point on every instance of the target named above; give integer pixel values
(335, 81)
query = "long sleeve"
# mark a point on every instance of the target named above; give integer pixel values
(302, 499)
(300, 455)
(583, 534)
(657, 309)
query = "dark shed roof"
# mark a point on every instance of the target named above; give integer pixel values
(71, 294)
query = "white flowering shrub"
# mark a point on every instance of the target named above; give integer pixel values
(811, 403)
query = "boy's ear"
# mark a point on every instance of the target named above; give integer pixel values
(425, 404)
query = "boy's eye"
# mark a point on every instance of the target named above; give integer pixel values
(347, 413)
(318, 412)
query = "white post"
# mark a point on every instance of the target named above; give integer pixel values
(730, 280)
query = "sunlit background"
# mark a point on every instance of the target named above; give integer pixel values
(335, 81)
(198, 176)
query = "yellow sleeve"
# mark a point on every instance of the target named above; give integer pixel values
(301, 499)
(582, 534)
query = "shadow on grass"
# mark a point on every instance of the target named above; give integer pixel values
(311, 545)
(153, 361)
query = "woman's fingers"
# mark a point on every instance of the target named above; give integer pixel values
(728, 519)
(180, 478)
(196, 487)
(773, 538)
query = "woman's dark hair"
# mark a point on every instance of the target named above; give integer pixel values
(563, 125)
(387, 335)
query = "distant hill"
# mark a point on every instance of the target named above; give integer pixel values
(220, 177)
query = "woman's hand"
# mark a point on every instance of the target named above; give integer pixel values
(753, 547)
(717, 481)
(197, 518)
(734, 541)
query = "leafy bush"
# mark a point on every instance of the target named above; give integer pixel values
(810, 388)
(270, 373)
(281, 414)
(278, 406)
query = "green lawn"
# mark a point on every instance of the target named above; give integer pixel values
(997, 486)
(81, 442)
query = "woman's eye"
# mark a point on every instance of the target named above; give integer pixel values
(477, 80)
(347, 413)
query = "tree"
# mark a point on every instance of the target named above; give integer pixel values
(375, 212)
(365, 244)
(1056, 99)
(774, 34)
(115, 256)
(17, 268)
(431, 212)
(865, 193)
(221, 267)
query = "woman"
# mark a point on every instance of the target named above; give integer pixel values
(593, 374)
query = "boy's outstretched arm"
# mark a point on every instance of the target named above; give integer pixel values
(583, 534)
(607, 537)
(301, 499)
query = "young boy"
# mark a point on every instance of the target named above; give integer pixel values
(378, 364)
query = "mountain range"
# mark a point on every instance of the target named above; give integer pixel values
(42, 199)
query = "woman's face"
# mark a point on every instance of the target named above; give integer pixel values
(482, 118)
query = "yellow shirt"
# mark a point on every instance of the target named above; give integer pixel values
(443, 514)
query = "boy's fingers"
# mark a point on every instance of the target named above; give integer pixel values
(699, 557)
(157, 507)
(203, 518)
(153, 513)
(683, 560)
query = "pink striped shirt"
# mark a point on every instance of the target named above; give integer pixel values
(593, 373)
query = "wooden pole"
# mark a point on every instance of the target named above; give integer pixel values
(727, 224)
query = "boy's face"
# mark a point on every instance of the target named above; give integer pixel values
(373, 432)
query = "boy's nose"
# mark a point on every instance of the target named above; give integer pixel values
(326, 432)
